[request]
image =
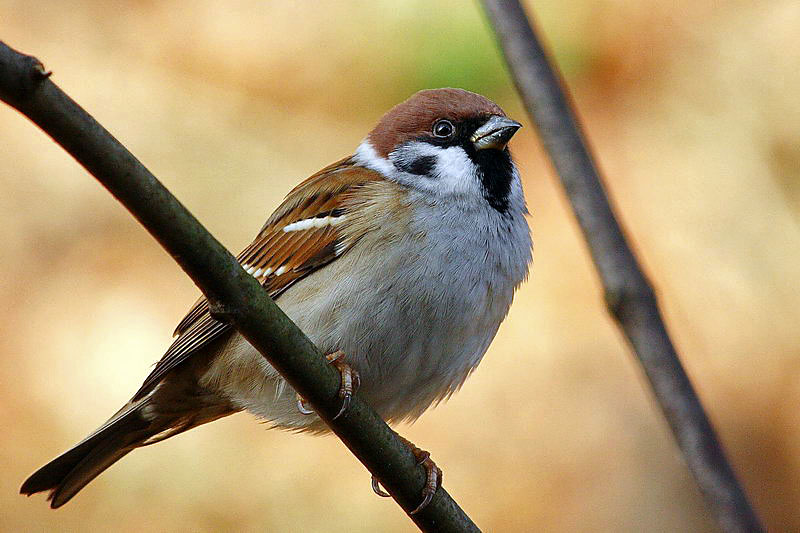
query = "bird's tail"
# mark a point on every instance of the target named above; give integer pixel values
(68, 473)
(128, 429)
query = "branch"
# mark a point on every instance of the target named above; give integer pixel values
(234, 295)
(629, 297)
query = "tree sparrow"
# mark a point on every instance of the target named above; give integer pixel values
(400, 261)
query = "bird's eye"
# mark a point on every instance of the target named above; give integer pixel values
(443, 128)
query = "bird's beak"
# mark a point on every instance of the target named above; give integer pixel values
(495, 133)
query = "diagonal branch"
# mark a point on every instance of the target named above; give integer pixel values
(629, 297)
(235, 296)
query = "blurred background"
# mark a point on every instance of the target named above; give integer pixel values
(692, 109)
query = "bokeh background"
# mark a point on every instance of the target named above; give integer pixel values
(692, 107)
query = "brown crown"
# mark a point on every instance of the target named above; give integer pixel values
(416, 116)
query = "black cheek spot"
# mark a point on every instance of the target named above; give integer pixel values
(421, 165)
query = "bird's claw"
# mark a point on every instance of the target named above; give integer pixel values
(376, 488)
(301, 406)
(350, 381)
(433, 476)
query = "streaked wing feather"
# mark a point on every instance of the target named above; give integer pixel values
(299, 253)
(199, 308)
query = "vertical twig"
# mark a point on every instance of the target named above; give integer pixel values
(629, 296)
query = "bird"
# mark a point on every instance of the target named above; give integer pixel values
(399, 261)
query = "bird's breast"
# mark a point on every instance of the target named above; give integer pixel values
(413, 311)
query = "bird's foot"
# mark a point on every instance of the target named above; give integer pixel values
(433, 478)
(350, 381)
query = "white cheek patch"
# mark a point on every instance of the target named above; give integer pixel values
(453, 173)
(456, 173)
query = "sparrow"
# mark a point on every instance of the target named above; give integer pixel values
(400, 261)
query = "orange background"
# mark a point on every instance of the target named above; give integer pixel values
(692, 108)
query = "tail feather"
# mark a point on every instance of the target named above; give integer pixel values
(68, 473)
(178, 404)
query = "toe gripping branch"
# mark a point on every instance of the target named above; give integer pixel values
(350, 381)
(433, 473)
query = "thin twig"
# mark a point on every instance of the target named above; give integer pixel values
(629, 296)
(235, 296)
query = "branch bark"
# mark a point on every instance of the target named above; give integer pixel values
(235, 296)
(629, 296)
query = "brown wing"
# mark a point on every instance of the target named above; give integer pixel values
(301, 236)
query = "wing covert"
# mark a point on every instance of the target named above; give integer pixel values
(303, 235)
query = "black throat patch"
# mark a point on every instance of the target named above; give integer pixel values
(496, 172)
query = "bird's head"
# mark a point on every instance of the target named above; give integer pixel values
(446, 142)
